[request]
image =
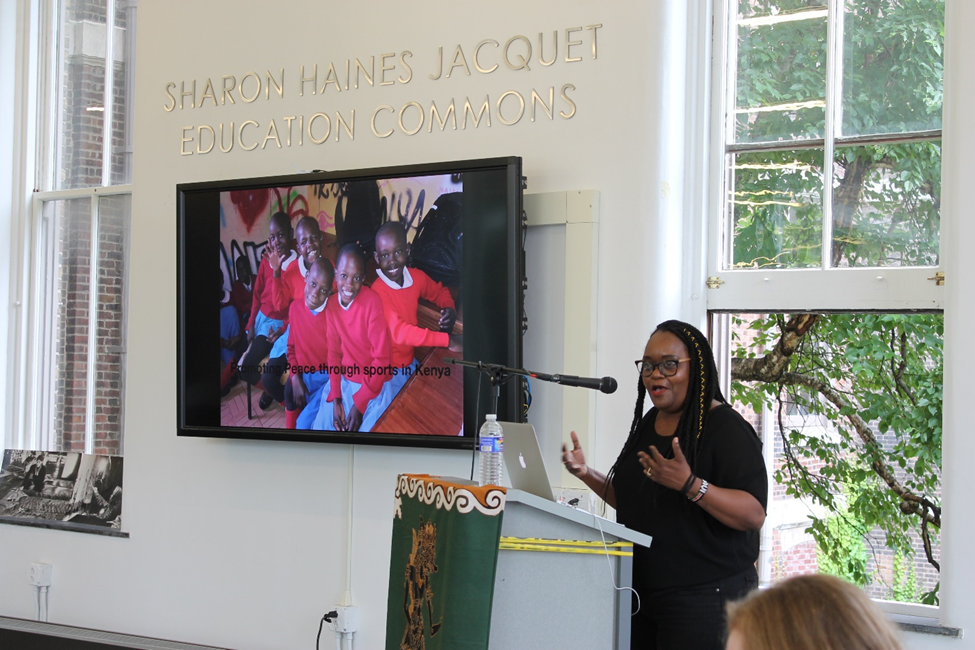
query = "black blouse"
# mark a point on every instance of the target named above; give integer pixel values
(690, 547)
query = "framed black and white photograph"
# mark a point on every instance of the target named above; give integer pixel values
(68, 487)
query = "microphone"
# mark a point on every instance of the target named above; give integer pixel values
(606, 384)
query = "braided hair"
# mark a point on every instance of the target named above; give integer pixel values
(702, 389)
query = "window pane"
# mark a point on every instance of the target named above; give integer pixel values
(781, 76)
(113, 226)
(886, 202)
(776, 209)
(853, 422)
(82, 94)
(72, 274)
(892, 66)
(122, 93)
(83, 50)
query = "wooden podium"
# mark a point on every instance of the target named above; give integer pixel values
(561, 594)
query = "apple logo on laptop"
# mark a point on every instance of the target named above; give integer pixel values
(521, 459)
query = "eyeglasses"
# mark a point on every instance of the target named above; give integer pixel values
(667, 367)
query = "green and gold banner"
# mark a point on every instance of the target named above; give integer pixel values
(442, 564)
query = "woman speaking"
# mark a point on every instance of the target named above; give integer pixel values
(691, 475)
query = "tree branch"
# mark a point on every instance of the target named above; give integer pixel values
(926, 538)
(819, 485)
(911, 503)
(846, 199)
(775, 362)
(877, 462)
(898, 371)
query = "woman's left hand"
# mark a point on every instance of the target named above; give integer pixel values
(671, 473)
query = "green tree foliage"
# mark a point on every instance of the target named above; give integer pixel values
(904, 587)
(885, 197)
(876, 378)
(842, 552)
(845, 554)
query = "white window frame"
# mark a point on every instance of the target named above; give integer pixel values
(819, 289)
(41, 339)
(784, 290)
(29, 376)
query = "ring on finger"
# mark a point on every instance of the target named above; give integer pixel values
(648, 473)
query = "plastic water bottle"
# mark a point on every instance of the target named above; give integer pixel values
(491, 446)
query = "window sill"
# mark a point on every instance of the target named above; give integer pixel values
(917, 625)
(63, 525)
(53, 635)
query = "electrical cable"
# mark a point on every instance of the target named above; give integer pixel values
(612, 576)
(347, 596)
(326, 618)
(477, 415)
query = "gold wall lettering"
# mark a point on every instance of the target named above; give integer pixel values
(518, 54)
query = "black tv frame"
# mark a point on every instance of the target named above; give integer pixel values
(492, 290)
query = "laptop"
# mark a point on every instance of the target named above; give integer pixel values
(523, 460)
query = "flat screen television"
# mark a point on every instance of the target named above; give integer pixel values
(375, 360)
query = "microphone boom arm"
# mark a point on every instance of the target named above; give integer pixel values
(499, 374)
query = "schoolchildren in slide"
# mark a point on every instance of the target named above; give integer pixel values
(359, 351)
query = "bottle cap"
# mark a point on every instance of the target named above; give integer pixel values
(491, 417)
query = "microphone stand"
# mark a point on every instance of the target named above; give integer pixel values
(496, 373)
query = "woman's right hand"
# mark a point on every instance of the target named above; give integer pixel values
(574, 459)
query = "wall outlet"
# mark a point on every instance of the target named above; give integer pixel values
(40, 575)
(348, 618)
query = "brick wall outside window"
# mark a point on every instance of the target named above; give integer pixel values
(80, 160)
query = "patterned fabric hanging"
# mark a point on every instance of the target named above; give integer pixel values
(442, 564)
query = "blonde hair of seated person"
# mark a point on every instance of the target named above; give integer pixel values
(811, 612)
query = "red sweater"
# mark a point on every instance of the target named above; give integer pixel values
(308, 337)
(358, 342)
(263, 299)
(399, 309)
(290, 286)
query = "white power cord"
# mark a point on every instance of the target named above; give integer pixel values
(612, 576)
(346, 597)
